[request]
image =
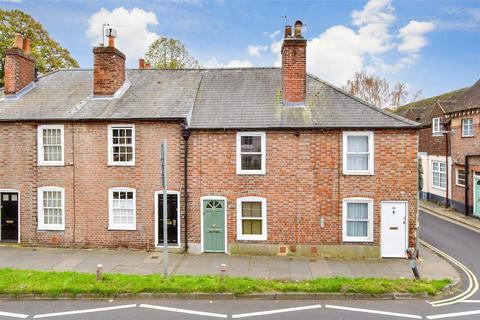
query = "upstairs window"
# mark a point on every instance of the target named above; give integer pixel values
(467, 127)
(461, 177)
(251, 155)
(439, 175)
(358, 153)
(121, 145)
(51, 208)
(122, 215)
(50, 145)
(437, 126)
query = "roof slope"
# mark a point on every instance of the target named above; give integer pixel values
(251, 98)
(210, 98)
(469, 99)
(428, 102)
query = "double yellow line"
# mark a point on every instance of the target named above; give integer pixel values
(472, 279)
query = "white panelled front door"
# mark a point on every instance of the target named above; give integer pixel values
(394, 229)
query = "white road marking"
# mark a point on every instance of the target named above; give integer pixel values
(66, 313)
(262, 313)
(470, 301)
(385, 313)
(453, 315)
(13, 315)
(198, 313)
(472, 279)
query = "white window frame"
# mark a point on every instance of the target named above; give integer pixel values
(258, 237)
(371, 151)
(369, 237)
(40, 150)
(439, 172)
(456, 177)
(437, 126)
(263, 145)
(111, 224)
(40, 215)
(111, 162)
(471, 127)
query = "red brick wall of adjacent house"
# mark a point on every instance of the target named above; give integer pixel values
(108, 70)
(19, 70)
(86, 178)
(433, 144)
(303, 183)
(462, 146)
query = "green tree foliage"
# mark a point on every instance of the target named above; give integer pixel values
(168, 53)
(48, 54)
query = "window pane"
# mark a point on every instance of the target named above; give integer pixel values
(357, 211)
(251, 144)
(252, 209)
(252, 227)
(357, 228)
(357, 161)
(251, 161)
(357, 143)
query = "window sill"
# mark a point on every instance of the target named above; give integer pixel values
(346, 239)
(46, 164)
(252, 238)
(358, 173)
(51, 228)
(251, 173)
(122, 228)
(121, 165)
(439, 188)
(460, 185)
(472, 136)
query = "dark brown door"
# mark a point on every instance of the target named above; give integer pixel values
(9, 216)
(172, 219)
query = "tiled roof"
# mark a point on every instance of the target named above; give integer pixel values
(209, 98)
(468, 100)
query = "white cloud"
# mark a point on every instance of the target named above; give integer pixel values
(274, 34)
(132, 26)
(214, 63)
(254, 51)
(413, 36)
(13, 1)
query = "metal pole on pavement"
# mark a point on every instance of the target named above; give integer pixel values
(164, 157)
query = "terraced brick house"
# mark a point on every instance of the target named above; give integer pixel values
(261, 160)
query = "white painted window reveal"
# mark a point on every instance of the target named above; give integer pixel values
(122, 209)
(437, 125)
(51, 208)
(121, 145)
(439, 175)
(357, 220)
(358, 152)
(467, 127)
(251, 152)
(50, 142)
(251, 218)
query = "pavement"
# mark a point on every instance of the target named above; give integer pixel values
(288, 268)
(469, 222)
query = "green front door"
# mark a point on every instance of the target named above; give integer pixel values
(214, 226)
(476, 196)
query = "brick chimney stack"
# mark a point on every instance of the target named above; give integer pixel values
(108, 68)
(294, 66)
(19, 66)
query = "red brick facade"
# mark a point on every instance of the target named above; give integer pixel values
(86, 178)
(303, 183)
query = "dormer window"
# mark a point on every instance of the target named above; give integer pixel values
(437, 126)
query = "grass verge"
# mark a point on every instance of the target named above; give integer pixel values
(13, 281)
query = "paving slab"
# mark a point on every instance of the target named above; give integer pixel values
(291, 268)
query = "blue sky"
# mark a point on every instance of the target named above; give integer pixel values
(430, 45)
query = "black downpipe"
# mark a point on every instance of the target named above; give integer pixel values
(186, 136)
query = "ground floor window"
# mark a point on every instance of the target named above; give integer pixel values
(51, 208)
(122, 215)
(251, 218)
(439, 175)
(358, 219)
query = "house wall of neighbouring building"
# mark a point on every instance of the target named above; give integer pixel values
(86, 178)
(428, 191)
(462, 146)
(303, 183)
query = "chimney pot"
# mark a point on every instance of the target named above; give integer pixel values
(26, 45)
(288, 31)
(111, 42)
(18, 43)
(141, 63)
(298, 29)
